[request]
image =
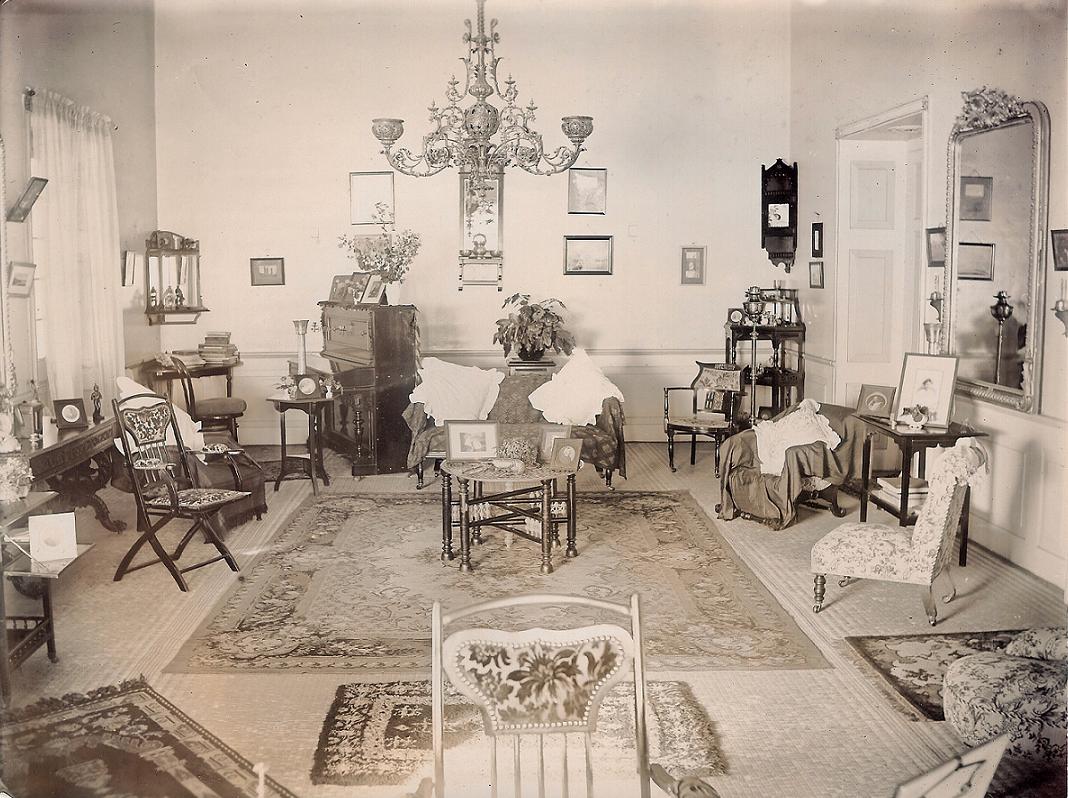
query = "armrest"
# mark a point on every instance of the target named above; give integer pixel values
(416, 418)
(686, 787)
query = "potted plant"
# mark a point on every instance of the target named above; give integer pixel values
(532, 327)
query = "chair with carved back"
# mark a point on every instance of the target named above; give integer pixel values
(916, 555)
(165, 486)
(714, 395)
(545, 687)
(220, 412)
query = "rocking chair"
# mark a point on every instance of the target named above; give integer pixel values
(165, 486)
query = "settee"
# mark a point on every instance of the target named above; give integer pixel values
(602, 442)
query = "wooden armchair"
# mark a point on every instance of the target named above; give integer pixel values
(714, 398)
(165, 486)
(547, 684)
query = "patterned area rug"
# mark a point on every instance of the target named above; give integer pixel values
(121, 741)
(349, 582)
(913, 665)
(381, 734)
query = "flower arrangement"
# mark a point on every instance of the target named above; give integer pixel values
(917, 415)
(389, 253)
(15, 477)
(533, 327)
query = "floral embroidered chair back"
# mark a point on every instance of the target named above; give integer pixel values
(145, 421)
(542, 684)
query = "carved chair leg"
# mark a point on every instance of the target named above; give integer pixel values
(671, 449)
(608, 478)
(819, 589)
(830, 493)
(947, 575)
(419, 476)
(929, 605)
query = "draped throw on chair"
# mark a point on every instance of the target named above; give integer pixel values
(76, 244)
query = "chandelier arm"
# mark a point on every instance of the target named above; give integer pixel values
(404, 162)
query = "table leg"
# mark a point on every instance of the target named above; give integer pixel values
(465, 527)
(546, 528)
(229, 383)
(320, 421)
(77, 487)
(865, 469)
(446, 516)
(282, 430)
(5, 663)
(965, 512)
(693, 449)
(921, 471)
(46, 607)
(906, 469)
(312, 466)
(572, 518)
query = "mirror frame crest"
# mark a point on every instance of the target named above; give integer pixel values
(984, 110)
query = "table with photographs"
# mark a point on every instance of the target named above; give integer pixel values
(486, 496)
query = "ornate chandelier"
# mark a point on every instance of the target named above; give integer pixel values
(464, 138)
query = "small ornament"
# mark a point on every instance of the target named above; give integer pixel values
(179, 297)
(153, 297)
(96, 396)
(168, 298)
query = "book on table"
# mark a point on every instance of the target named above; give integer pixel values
(917, 485)
(916, 502)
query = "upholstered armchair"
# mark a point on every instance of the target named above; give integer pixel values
(915, 555)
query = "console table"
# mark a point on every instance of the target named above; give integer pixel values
(787, 382)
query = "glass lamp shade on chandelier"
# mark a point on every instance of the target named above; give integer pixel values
(480, 139)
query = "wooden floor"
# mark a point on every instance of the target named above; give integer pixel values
(828, 732)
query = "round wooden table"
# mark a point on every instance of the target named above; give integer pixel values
(314, 406)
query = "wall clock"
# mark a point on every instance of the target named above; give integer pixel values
(307, 386)
(778, 203)
(70, 413)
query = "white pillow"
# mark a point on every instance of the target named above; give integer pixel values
(575, 394)
(189, 429)
(449, 391)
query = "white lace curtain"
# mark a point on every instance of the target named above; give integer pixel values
(76, 245)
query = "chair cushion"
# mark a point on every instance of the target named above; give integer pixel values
(198, 498)
(1049, 643)
(865, 550)
(716, 421)
(221, 406)
(988, 693)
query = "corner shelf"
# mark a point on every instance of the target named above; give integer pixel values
(174, 315)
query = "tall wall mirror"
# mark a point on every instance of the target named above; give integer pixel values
(996, 220)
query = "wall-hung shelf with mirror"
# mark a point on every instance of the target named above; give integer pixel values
(172, 279)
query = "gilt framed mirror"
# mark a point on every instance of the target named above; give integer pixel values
(997, 203)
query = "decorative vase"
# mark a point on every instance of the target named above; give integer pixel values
(916, 419)
(530, 355)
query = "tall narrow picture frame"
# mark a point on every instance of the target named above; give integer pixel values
(587, 254)
(587, 191)
(817, 239)
(936, 247)
(370, 197)
(693, 265)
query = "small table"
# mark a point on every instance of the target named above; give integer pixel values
(911, 441)
(315, 407)
(542, 504)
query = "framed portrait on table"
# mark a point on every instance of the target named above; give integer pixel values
(372, 292)
(566, 453)
(587, 254)
(876, 400)
(927, 381)
(549, 434)
(470, 440)
(693, 265)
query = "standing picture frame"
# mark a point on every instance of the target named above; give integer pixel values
(975, 261)
(936, 247)
(976, 199)
(926, 381)
(587, 254)
(267, 271)
(550, 433)
(815, 274)
(471, 440)
(876, 400)
(692, 268)
(372, 292)
(348, 288)
(70, 413)
(566, 454)
(368, 191)
(587, 191)
(20, 279)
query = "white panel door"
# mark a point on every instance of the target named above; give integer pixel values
(872, 254)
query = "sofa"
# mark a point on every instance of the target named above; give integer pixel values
(602, 442)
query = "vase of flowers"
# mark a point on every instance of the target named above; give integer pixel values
(916, 416)
(388, 254)
(533, 327)
(15, 477)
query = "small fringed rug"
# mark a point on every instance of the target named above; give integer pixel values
(120, 741)
(377, 734)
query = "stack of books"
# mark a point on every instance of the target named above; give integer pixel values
(217, 349)
(890, 490)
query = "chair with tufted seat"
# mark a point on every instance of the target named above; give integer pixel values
(213, 414)
(916, 555)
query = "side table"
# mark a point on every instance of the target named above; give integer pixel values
(911, 441)
(315, 407)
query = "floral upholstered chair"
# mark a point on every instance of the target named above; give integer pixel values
(542, 684)
(916, 555)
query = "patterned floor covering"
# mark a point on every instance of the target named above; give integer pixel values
(121, 741)
(347, 583)
(377, 734)
(913, 665)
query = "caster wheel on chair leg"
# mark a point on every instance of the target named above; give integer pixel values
(816, 608)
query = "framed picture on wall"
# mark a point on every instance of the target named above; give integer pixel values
(1060, 249)
(817, 239)
(587, 191)
(693, 265)
(20, 281)
(936, 247)
(815, 274)
(370, 197)
(587, 254)
(24, 204)
(975, 261)
(268, 271)
(976, 199)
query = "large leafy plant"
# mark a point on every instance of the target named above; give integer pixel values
(533, 327)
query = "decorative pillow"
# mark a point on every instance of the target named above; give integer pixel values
(189, 429)
(519, 449)
(449, 391)
(575, 393)
(1049, 643)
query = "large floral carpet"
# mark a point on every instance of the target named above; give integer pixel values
(913, 665)
(125, 740)
(381, 734)
(349, 581)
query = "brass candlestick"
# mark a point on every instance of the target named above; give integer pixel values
(1001, 310)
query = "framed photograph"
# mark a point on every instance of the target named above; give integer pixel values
(815, 274)
(370, 197)
(817, 239)
(936, 247)
(307, 386)
(24, 204)
(549, 434)
(70, 413)
(587, 254)
(470, 440)
(372, 292)
(482, 219)
(927, 381)
(268, 271)
(1060, 249)
(587, 191)
(975, 261)
(876, 400)
(566, 453)
(20, 281)
(976, 199)
(693, 265)
(348, 288)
